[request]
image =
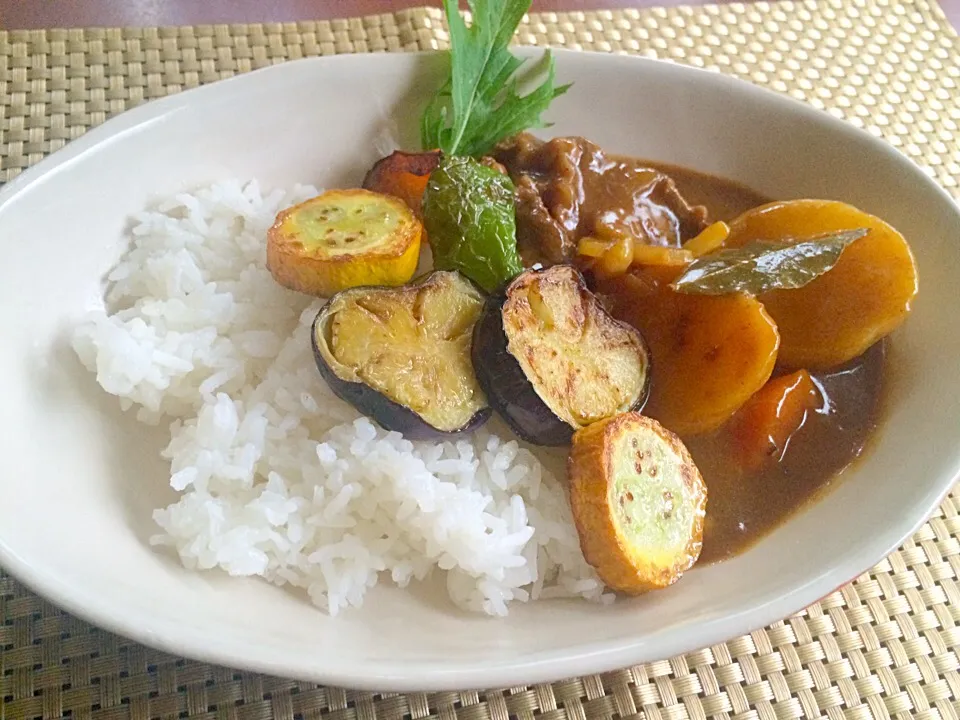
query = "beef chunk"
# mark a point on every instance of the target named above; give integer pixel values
(567, 188)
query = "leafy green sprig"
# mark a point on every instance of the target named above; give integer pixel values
(479, 104)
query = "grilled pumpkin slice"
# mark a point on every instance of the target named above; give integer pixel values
(638, 500)
(343, 239)
(402, 355)
(551, 360)
(403, 175)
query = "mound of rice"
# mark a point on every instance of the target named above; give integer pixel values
(278, 477)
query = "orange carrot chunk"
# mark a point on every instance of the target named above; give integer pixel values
(762, 428)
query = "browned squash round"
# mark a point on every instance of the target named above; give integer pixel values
(343, 239)
(839, 315)
(638, 502)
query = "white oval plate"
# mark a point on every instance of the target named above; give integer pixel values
(79, 479)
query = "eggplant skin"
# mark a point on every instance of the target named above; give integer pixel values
(389, 414)
(505, 383)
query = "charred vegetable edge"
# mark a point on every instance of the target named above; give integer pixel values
(591, 475)
(389, 414)
(506, 385)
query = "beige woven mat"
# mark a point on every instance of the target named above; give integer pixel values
(884, 646)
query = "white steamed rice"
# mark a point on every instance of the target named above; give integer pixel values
(278, 477)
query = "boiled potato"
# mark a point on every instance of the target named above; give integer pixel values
(843, 312)
(709, 353)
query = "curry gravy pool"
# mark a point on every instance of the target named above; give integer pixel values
(744, 507)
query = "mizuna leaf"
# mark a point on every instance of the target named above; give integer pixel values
(479, 104)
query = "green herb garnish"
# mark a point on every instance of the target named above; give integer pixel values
(760, 266)
(468, 213)
(479, 104)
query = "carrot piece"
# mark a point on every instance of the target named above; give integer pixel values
(762, 428)
(403, 175)
(711, 238)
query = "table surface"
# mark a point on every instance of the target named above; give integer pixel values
(35, 14)
(886, 646)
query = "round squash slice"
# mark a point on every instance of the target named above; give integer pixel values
(638, 501)
(343, 239)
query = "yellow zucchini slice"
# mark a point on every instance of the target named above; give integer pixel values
(343, 239)
(638, 501)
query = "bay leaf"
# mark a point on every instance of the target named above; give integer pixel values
(764, 265)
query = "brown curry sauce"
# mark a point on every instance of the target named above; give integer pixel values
(570, 189)
(742, 509)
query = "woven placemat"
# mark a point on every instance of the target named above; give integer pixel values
(886, 645)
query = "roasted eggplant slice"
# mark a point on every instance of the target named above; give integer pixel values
(402, 355)
(552, 361)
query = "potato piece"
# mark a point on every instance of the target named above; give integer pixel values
(638, 501)
(863, 298)
(762, 428)
(709, 353)
(343, 239)
(403, 175)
